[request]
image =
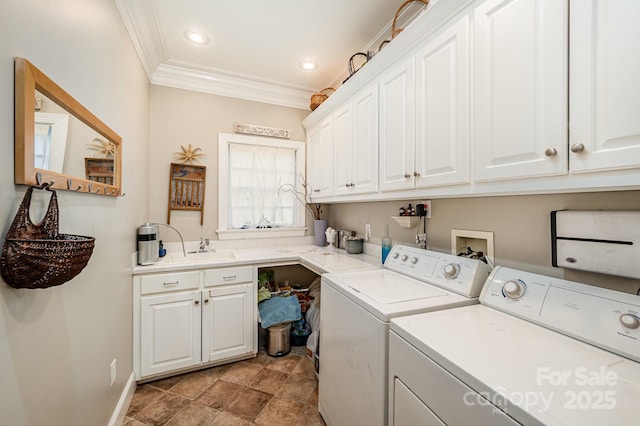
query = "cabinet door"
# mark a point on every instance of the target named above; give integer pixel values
(604, 85)
(356, 144)
(229, 321)
(520, 87)
(343, 149)
(364, 176)
(320, 159)
(169, 332)
(397, 109)
(442, 108)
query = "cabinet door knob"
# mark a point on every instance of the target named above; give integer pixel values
(577, 147)
(407, 175)
(316, 190)
(196, 302)
(416, 174)
(206, 300)
(347, 185)
(551, 152)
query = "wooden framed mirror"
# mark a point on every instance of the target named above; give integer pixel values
(57, 139)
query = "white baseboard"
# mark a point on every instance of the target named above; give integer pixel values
(119, 413)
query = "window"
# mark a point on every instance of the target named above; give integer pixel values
(252, 172)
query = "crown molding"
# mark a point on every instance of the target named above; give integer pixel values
(218, 84)
(140, 20)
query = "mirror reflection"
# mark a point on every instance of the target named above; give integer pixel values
(64, 144)
(60, 140)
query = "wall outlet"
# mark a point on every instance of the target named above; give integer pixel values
(427, 208)
(113, 372)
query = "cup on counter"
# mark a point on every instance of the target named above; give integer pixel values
(354, 245)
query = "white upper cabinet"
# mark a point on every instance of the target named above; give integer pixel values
(488, 97)
(605, 85)
(320, 159)
(442, 108)
(344, 134)
(356, 144)
(520, 89)
(397, 126)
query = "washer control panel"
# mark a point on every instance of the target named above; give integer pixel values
(605, 318)
(458, 274)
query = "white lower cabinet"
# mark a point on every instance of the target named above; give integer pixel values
(229, 315)
(186, 319)
(169, 332)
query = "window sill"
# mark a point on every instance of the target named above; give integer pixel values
(248, 234)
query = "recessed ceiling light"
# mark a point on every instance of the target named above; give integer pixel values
(196, 37)
(309, 64)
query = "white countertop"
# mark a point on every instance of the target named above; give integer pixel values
(318, 259)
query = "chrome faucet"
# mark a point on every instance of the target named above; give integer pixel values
(204, 245)
(184, 252)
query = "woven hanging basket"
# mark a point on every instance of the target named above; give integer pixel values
(318, 98)
(395, 31)
(37, 256)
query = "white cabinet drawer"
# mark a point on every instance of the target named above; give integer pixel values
(224, 276)
(169, 282)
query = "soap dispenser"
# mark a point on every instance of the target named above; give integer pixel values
(386, 244)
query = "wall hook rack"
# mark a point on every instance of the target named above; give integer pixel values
(43, 185)
(69, 185)
(90, 189)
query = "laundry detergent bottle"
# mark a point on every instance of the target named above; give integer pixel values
(386, 244)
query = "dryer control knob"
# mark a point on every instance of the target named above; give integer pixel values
(513, 289)
(395, 255)
(404, 257)
(629, 321)
(451, 270)
(414, 260)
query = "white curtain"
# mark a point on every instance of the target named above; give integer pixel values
(256, 173)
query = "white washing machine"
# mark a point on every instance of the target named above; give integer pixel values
(536, 351)
(356, 308)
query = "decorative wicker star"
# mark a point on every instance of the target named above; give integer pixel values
(107, 149)
(188, 155)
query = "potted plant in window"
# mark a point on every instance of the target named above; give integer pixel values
(304, 197)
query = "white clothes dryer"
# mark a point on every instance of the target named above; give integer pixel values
(537, 351)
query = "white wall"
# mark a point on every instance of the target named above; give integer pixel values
(56, 344)
(179, 118)
(521, 227)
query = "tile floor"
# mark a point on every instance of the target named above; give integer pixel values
(264, 390)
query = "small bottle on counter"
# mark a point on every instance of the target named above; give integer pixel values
(162, 252)
(410, 211)
(401, 211)
(386, 244)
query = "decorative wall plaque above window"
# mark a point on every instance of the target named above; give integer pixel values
(251, 129)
